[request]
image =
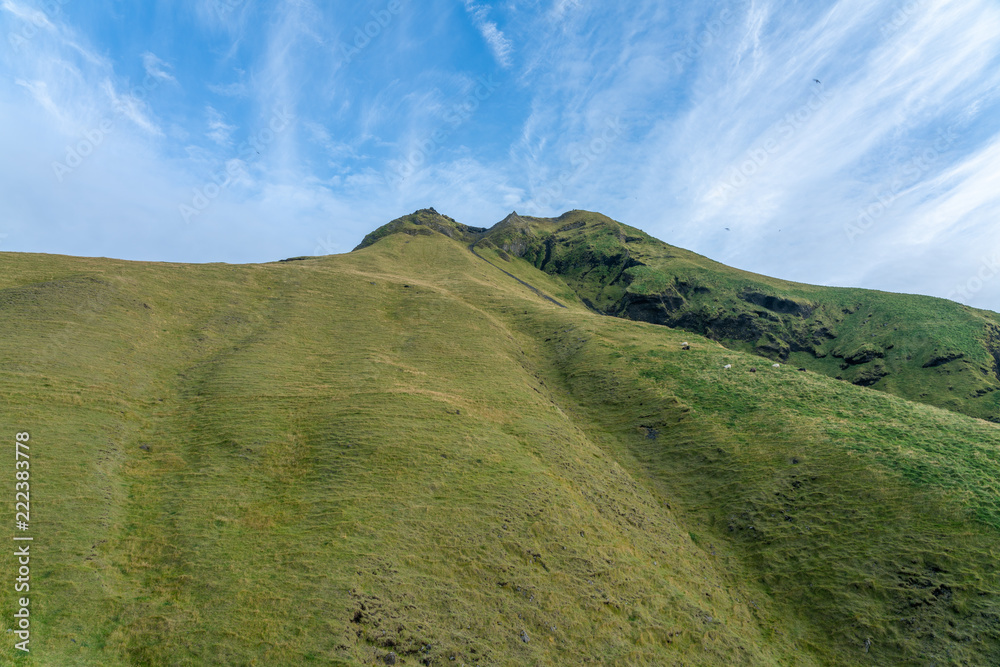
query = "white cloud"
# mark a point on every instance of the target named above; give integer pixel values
(218, 130)
(884, 97)
(131, 107)
(964, 196)
(40, 92)
(156, 68)
(494, 37)
(237, 89)
(33, 16)
(699, 92)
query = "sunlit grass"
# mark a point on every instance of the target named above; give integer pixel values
(402, 450)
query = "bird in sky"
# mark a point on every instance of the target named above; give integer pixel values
(817, 81)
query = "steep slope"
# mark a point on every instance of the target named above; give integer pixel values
(425, 222)
(921, 348)
(404, 454)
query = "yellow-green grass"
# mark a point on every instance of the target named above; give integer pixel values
(921, 348)
(404, 450)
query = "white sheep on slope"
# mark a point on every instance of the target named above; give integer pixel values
(727, 366)
(775, 365)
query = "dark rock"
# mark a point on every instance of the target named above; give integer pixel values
(524, 637)
(389, 658)
(863, 355)
(144, 447)
(652, 308)
(870, 376)
(753, 370)
(940, 360)
(773, 347)
(777, 304)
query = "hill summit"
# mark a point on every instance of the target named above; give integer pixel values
(921, 348)
(425, 221)
(458, 445)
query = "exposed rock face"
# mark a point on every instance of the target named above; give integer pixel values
(620, 271)
(777, 304)
(870, 376)
(648, 308)
(863, 355)
(772, 347)
(941, 360)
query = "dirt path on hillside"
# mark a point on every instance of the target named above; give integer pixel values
(472, 249)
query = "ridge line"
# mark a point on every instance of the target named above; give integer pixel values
(472, 249)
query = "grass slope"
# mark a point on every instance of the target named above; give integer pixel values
(403, 450)
(921, 348)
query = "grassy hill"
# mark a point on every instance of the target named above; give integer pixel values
(403, 455)
(921, 348)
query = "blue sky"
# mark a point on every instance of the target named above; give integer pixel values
(845, 142)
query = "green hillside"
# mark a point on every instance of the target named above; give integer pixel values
(921, 348)
(404, 455)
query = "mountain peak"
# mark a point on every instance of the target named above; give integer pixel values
(423, 222)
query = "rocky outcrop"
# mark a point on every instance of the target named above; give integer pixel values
(777, 304)
(863, 355)
(870, 376)
(942, 359)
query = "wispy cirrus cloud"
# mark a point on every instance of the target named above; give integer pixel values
(131, 107)
(31, 15)
(156, 68)
(787, 163)
(236, 89)
(884, 164)
(40, 92)
(498, 43)
(219, 130)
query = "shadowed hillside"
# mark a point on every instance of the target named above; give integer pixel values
(921, 348)
(403, 455)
